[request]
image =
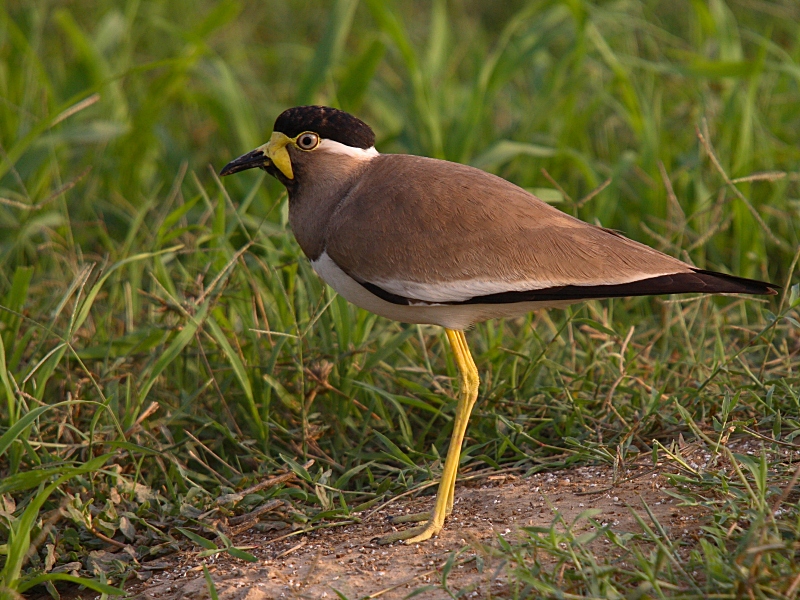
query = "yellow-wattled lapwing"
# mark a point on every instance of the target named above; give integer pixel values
(421, 240)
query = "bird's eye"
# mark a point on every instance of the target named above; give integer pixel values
(307, 141)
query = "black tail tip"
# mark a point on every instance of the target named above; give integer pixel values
(721, 283)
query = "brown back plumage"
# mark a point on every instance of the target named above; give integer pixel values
(424, 220)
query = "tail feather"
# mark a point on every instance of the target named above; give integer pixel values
(697, 281)
(720, 283)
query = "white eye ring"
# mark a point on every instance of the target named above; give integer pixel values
(307, 140)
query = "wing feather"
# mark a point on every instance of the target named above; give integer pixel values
(447, 232)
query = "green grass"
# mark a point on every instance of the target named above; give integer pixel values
(164, 342)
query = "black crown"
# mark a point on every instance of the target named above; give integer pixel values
(329, 123)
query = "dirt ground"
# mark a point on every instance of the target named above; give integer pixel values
(347, 560)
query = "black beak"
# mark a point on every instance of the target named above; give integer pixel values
(251, 160)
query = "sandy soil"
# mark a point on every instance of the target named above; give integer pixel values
(348, 560)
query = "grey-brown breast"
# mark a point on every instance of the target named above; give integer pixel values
(322, 180)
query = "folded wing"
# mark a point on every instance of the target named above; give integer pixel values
(411, 236)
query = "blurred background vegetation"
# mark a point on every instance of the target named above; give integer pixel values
(169, 328)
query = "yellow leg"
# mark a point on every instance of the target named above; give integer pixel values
(468, 393)
(470, 382)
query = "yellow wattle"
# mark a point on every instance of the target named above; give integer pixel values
(276, 150)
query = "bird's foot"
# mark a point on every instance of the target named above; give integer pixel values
(412, 518)
(414, 535)
(433, 524)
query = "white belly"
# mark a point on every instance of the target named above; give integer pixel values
(460, 316)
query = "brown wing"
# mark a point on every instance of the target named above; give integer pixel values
(422, 229)
(419, 220)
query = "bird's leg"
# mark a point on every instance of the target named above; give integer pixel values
(459, 425)
(468, 393)
(469, 383)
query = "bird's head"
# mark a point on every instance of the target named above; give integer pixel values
(302, 137)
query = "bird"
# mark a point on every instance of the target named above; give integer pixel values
(422, 240)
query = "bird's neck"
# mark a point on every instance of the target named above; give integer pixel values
(312, 202)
